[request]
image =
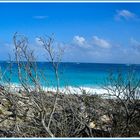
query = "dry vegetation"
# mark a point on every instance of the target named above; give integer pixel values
(33, 112)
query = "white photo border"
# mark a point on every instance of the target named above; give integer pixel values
(70, 1)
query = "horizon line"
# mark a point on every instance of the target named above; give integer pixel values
(75, 62)
(71, 1)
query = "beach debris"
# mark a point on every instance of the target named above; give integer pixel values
(105, 119)
(92, 124)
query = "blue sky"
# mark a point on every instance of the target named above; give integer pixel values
(89, 32)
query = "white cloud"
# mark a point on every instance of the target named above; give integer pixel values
(125, 14)
(135, 44)
(40, 17)
(101, 42)
(79, 40)
(38, 42)
(93, 53)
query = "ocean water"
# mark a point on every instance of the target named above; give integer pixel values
(71, 74)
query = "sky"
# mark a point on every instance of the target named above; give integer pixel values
(88, 32)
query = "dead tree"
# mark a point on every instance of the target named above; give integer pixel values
(54, 58)
(123, 91)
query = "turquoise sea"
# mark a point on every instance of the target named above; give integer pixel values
(72, 74)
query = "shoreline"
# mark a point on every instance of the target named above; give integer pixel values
(104, 92)
(14, 87)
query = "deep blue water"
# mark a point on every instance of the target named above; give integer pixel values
(73, 74)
